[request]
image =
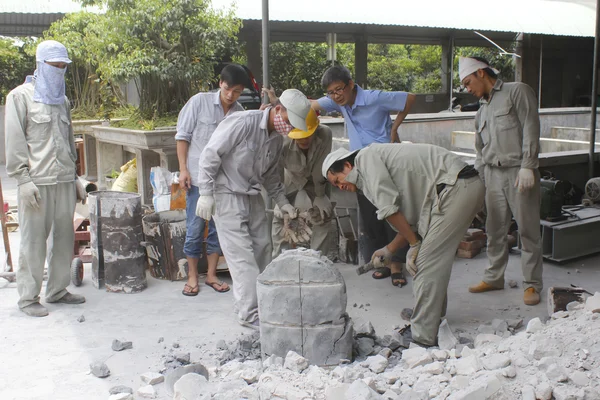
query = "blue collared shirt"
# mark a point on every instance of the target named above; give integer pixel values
(368, 119)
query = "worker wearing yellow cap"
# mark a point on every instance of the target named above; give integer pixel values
(302, 158)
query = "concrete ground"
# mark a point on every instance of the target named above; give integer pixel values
(48, 358)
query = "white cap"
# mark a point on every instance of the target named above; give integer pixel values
(297, 106)
(52, 51)
(339, 154)
(468, 65)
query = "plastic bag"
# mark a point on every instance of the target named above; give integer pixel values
(178, 195)
(161, 179)
(127, 180)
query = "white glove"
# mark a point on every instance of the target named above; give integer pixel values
(411, 258)
(205, 207)
(381, 257)
(525, 180)
(30, 195)
(324, 205)
(277, 212)
(290, 210)
(80, 191)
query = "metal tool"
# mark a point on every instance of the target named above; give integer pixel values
(363, 269)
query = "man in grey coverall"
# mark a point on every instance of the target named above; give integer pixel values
(430, 197)
(507, 142)
(40, 155)
(241, 156)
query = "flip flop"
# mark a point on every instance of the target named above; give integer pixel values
(190, 290)
(381, 273)
(215, 286)
(396, 277)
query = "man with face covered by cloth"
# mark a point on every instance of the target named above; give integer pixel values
(507, 142)
(41, 155)
(241, 156)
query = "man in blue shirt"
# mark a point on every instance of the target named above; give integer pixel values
(367, 117)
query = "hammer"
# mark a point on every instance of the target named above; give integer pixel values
(363, 269)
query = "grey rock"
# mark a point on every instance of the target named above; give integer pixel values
(556, 373)
(464, 338)
(152, 378)
(486, 329)
(543, 391)
(175, 345)
(183, 358)
(513, 284)
(534, 325)
(81, 318)
(515, 323)
(117, 345)
(121, 396)
(99, 369)
(221, 345)
(439, 355)
(579, 378)
(120, 389)
(173, 376)
(377, 364)
(364, 346)
(566, 392)
(560, 314)
(500, 326)
(191, 387)
(416, 356)
(446, 340)
(435, 368)
(527, 393)
(483, 339)
(495, 361)
(509, 372)
(364, 329)
(295, 362)
(592, 303)
(575, 305)
(359, 390)
(161, 339)
(387, 353)
(146, 392)
(468, 365)
(273, 360)
(545, 347)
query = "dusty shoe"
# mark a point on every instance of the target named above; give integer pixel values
(35, 310)
(483, 287)
(252, 325)
(531, 297)
(70, 298)
(407, 339)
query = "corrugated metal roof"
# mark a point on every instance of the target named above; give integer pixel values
(40, 6)
(549, 17)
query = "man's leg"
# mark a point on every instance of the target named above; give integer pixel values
(213, 251)
(60, 252)
(449, 222)
(192, 246)
(259, 232)
(526, 209)
(398, 259)
(497, 184)
(368, 223)
(35, 226)
(232, 218)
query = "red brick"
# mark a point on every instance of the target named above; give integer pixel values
(473, 245)
(467, 253)
(474, 234)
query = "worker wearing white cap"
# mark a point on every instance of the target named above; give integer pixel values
(41, 155)
(302, 158)
(430, 197)
(241, 156)
(507, 142)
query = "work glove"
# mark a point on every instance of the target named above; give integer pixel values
(381, 257)
(289, 210)
(205, 207)
(80, 191)
(324, 206)
(277, 212)
(525, 180)
(411, 258)
(30, 195)
(296, 230)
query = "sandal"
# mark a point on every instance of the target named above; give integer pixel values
(398, 279)
(190, 290)
(217, 286)
(381, 273)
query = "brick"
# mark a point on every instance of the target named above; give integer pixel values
(467, 253)
(472, 245)
(474, 234)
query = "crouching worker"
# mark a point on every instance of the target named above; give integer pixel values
(302, 158)
(241, 156)
(430, 197)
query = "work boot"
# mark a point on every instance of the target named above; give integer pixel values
(531, 297)
(69, 298)
(406, 338)
(483, 287)
(35, 310)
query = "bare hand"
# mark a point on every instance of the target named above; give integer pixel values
(185, 180)
(271, 93)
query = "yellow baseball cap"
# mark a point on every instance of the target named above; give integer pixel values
(312, 123)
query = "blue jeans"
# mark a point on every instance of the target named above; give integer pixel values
(195, 229)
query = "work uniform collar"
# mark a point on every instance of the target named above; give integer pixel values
(360, 97)
(264, 122)
(354, 178)
(497, 87)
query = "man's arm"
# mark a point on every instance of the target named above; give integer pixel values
(478, 145)
(17, 153)
(405, 233)
(525, 104)
(315, 105)
(410, 100)
(273, 181)
(185, 180)
(186, 124)
(72, 146)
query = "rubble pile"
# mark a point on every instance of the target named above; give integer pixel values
(559, 359)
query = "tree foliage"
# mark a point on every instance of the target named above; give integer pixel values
(15, 64)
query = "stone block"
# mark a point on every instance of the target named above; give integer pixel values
(173, 376)
(440, 355)
(416, 356)
(364, 328)
(377, 364)
(148, 392)
(468, 365)
(435, 368)
(295, 362)
(460, 253)
(592, 303)
(365, 346)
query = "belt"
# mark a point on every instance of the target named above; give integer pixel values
(467, 172)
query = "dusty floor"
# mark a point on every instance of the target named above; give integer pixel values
(48, 358)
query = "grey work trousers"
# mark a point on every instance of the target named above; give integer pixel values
(451, 216)
(46, 235)
(241, 221)
(502, 201)
(318, 240)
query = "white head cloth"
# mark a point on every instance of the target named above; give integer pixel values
(468, 65)
(50, 81)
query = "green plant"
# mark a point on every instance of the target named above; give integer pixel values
(15, 64)
(114, 174)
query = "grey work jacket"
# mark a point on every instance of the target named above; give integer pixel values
(241, 155)
(302, 170)
(40, 146)
(508, 127)
(402, 177)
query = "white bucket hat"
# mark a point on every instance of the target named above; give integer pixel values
(52, 51)
(468, 65)
(339, 154)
